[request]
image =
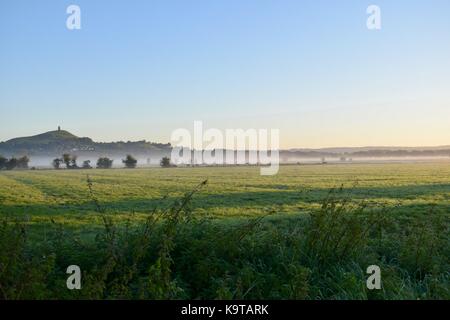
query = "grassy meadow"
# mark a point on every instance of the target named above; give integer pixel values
(309, 232)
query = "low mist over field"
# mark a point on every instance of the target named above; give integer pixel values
(43, 148)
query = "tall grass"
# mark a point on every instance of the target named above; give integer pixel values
(177, 255)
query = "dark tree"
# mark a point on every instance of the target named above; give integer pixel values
(87, 164)
(66, 158)
(73, 162)
(57, 163)
(11, 164)
(3, 162)
(22, 162)
(165, 162)
(130, 162)
(104, 163)
(70, 161)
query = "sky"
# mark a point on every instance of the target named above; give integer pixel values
(312, 69)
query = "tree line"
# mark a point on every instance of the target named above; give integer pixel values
(14, 163)
(70, 162)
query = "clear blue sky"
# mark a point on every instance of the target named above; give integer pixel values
(140, 69)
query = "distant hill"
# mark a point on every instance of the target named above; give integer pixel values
(367, 152)
(364, 149)
(54, 143)
(364, 152)
(47, 138)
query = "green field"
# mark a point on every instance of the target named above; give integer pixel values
(410, 237)
(231, 192)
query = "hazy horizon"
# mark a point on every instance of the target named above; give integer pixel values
(311, 69)
(298, 147)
